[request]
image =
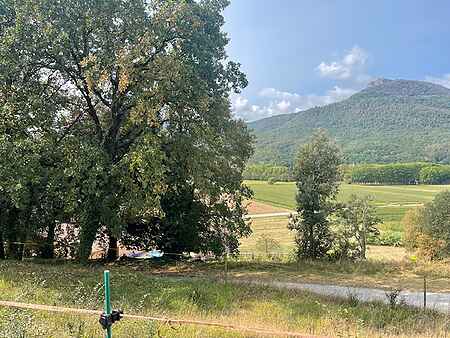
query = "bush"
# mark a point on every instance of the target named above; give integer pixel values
(427, 230)
(355, 223)
(435, 175)
(388, 238)
(412, 222)
(267, 171)
(267, 245)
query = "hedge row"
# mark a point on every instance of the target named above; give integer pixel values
(399, 173)
(395, 173)
(267, 171)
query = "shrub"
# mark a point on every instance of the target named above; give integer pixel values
(267, 245)
(427, 230)
(429, 247)
(435, 175)
(412, 222)
(266, 171)
(355, 222)
(388, 238)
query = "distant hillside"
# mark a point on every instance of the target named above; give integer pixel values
(389, 121)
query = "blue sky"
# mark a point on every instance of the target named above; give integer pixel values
(302, 53)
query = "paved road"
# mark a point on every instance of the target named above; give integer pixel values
(436, 301)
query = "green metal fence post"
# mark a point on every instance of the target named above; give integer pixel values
(108, 309)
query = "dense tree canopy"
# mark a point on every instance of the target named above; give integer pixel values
(266, 172)
(129, 99)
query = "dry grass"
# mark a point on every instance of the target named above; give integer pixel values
(386, 267)
(255, 208)
(139, 289)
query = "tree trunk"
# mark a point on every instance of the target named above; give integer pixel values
(87, 237)
(363, 245)
(2, 247)
(113, 249)
(15, 248)
(48, 251)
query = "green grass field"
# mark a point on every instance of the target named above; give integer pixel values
(396, 197)
(391, 201)
(138, 289)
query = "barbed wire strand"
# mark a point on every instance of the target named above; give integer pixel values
(167, 321)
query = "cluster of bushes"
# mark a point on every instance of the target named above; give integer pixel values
(267, 172)
(388, 238)
(399, 173)
(427, 229)
(436, 174)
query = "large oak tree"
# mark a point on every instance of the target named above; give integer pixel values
(138, 92)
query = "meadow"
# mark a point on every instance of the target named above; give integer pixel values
(395, 198)
(391, 202)
(150, 290)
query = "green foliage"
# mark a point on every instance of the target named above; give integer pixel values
(267, 244)
(435, 174)
(438, 153)
(387, 238)
(391, 121)
(356, 221)
(132, 101)
(427, 230)
(317, 176)
(399, 173)
(267, 171)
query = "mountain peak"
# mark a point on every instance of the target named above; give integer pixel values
(378, 82)
(386, 87)
(389, 121)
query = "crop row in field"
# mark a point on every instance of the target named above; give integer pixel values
(391, 197)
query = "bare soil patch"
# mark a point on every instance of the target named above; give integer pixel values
(255, 208)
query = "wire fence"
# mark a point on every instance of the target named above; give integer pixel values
(163, 320)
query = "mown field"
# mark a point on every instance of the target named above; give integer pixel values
(147, 290)
(397, 197)
(391, 201)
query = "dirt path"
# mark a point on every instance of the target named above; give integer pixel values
(272, 214)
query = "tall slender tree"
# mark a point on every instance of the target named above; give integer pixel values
(317, 176)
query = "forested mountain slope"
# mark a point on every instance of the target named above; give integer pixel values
(389, 121)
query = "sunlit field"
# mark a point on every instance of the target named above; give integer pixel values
(394, 197)
(391, 201)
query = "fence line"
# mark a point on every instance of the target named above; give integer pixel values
(167, 321)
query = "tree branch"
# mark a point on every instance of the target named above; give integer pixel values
(69, 127)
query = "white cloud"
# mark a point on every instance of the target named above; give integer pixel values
(240, 103)
(443, 81)
(350, 67)
(283, 106)
(276, 102)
